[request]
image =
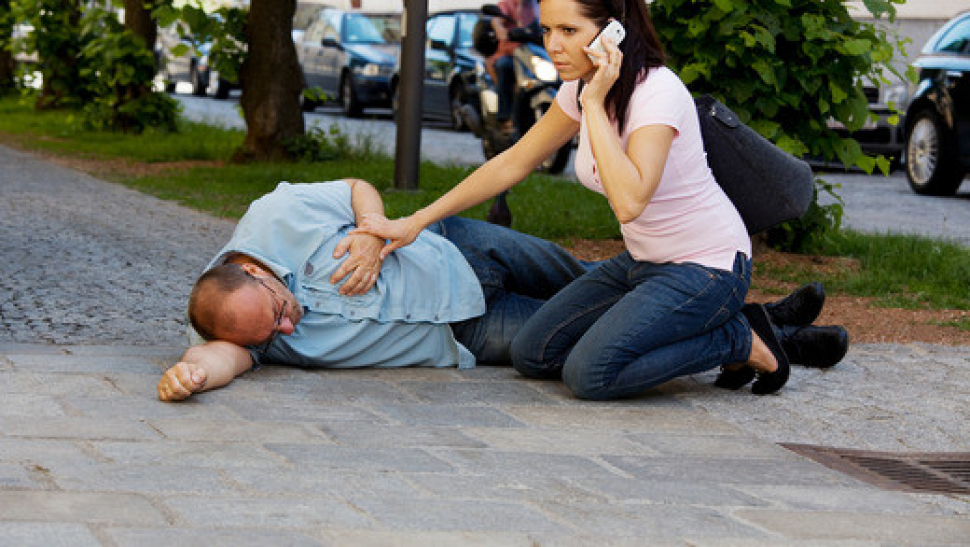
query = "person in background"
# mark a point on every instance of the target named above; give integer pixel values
(518, 13)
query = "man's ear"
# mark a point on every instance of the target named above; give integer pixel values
(253, 269)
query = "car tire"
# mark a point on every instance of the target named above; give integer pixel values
(395, 99)
(932, 165)
(348, 97)
(457, 120)
(307, 104)
(167, 80)
(198, 88)
(222, 89)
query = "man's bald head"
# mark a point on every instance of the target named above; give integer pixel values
(207, 311)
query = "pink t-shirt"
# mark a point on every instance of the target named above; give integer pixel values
(689, 218)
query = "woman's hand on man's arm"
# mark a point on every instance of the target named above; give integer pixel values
(397, 233)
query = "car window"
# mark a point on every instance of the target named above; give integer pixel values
(957, 39)
(371, 29)
(305, 15)
(322, 27)
(466, 25)
(334, 19)
(314, 32)
(442, 28)
(389, 25)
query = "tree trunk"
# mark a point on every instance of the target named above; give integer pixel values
(272, 81)
(7, 64)
(138, 19)
(58, 55)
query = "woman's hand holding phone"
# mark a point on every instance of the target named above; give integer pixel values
(607, 58)
(613, 31)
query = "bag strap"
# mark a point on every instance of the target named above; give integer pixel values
(579, 91)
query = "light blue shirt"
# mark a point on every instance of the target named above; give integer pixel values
(403, 320)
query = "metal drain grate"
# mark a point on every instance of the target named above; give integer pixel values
(940, 473)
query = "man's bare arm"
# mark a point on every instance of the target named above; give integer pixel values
(204, 367)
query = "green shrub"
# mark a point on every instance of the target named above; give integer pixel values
(786, 67)
(117, 71)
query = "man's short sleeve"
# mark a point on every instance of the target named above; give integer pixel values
(290, 223)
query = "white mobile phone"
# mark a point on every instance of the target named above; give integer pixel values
(613, 30)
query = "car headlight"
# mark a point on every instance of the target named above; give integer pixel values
(544, 70)
(895, 95)
(371, 69)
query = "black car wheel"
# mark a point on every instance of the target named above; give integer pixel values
(457, 120)
(222, 89)
(348, 97)
(395, 99)
(932, 166)
(198, 86)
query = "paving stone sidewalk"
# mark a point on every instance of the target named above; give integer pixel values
(94, 279)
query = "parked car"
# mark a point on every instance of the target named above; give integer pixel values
(18, 36)
(881, 135)
(350, 55)
(180, 58)
(452, 67)
(938, 118)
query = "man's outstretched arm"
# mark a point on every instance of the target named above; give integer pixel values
(204, 367)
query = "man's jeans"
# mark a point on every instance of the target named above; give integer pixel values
(518, 273)
(627, 326)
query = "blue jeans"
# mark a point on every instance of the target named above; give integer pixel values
(518, 273)
(627, 326)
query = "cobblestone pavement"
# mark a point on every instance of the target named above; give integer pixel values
(87, 261)
(95, 277)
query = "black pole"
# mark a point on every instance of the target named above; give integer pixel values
(407, 159)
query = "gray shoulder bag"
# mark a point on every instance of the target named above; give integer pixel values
(767, 185)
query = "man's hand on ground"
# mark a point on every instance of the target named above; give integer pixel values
(181, 381)
(362, 265)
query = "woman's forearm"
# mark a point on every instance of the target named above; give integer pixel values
(489, 180)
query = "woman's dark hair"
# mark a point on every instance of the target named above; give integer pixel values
(641, 47)
(213, 285)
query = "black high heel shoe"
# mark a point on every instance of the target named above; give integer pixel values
(767, 382)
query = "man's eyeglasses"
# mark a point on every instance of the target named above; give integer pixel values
(264, 347)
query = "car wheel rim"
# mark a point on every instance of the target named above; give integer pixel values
(923, 151)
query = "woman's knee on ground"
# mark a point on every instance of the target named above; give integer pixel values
(582, 384)
(527, 359)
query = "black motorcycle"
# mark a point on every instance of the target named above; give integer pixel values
(536, 83)
(535, 86)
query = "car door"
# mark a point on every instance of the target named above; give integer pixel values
(441, 31)
(332, 56)
(310, 52)
(955, 81)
